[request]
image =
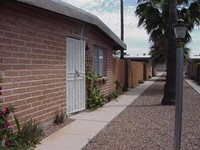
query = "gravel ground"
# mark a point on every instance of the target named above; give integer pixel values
(55, 127)
(147, 125)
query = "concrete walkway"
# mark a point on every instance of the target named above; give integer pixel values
(193, 84)
(88, 124)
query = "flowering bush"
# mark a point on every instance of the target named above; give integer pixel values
(6, 133)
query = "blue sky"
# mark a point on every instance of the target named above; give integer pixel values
(135, 38)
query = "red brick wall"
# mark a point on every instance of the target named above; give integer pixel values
(33, 59)
(108, 86)
(94, 39)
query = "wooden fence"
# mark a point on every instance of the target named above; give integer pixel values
(137, 71)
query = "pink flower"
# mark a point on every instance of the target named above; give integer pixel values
(7, 143)
(1, 90)
(6, 124)
(6, 111)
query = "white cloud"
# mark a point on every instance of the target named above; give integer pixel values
(81, 3)
(135, 38)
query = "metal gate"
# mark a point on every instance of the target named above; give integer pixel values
(75, 72)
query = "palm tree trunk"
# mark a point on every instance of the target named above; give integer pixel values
(169, 90)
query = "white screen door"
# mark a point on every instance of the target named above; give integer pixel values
(75, 72)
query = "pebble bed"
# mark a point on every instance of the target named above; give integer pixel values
(148, 125)
(55, 127)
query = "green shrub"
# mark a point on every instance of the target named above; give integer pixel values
(60, 118)
(31, 132)
(6, 131)
(94, 98)
(117, 86)
(29, 135)
(111, 96)
(24, 139)
(140, 81)
(115, 93)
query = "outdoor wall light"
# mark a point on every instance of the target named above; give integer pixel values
(87, 48)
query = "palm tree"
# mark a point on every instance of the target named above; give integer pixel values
(157, 17)
(186, 53)
(157, 56)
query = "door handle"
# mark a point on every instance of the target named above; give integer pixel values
(77, 73)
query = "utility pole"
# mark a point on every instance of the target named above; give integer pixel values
(122, 19)
(125, 88)
(122, 25)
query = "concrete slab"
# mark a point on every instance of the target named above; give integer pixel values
(83, 127)
(60, 141)
(104, 114)
(193, 84)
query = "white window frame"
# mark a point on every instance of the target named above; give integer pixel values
(99, 61)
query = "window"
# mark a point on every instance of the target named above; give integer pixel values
(99, 61)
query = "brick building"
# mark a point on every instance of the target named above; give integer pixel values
(45, 48)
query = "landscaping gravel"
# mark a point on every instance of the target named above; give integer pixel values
(55, 127)
(147, 125)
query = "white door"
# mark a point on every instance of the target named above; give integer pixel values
(75, 72)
